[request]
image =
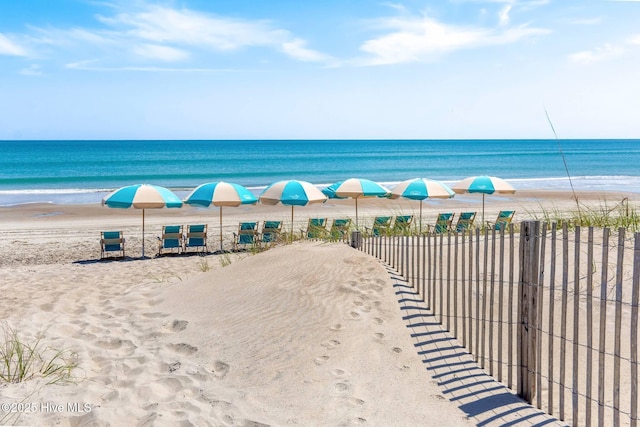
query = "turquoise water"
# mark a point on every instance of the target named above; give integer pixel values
(84, 171)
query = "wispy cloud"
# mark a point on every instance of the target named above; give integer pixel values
(503, 15)
(601, 53)
(163, 53)
(152, 32)
(9, 47)
(423, 39)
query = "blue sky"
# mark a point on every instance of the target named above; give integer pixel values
(256, 69)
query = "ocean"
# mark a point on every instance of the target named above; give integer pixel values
(85, 171)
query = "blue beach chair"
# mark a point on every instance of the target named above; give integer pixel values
(443, 222)
(171, 239)
(196, 237)
(465, 221)
(317, 228)
(340, 228)
(247, 234)
(271, 231)
(111, 241)
(381, 225)
(503, 220)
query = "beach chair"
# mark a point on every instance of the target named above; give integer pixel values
(381, 225)
(502, 221)
(171, 239)
(340, 229)
(270, 231)
(196, 237)
(402, 224)
(111, 241)
(317, 228)
(443, 222)
(465, 221)
(247, 234)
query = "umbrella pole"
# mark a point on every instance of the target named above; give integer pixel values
(357, 228)
(142, 233)
(483, 210)
(221, 250)
(291, 224)
(420, 225)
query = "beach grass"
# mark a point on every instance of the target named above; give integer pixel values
(22, 360)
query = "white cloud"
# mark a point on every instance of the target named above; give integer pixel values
(164, 25)
(297, 49)
(425, 39)
(601, 53)
(8, 47)
(503, 15)
(173, 35)
(635, 39)
(163, 53)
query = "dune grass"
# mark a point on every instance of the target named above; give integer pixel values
(22, 360)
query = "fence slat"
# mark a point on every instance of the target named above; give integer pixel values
(617, 333)
(589, 381)
(563, 316)
(603, 324)
(635, 295)
(539, 315)
(576, 323)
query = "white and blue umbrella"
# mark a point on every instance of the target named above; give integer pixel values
(420, 189)
(355, 188)
(292, 193)
(221, 194)
(483, 184)
(142, 196)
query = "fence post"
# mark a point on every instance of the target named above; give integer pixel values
(529, 265)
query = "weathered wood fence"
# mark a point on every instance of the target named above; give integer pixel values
(551, 312)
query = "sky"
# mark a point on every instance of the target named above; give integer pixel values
(325, 69)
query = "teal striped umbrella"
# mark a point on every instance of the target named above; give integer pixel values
(221, 194)
(485, 185)
(355, 188)
(292, 193)
(420, 189)
(142, 196)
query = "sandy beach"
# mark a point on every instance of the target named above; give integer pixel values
(309, 333)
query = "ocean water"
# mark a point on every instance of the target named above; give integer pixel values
(85, 171)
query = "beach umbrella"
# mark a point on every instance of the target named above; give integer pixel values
(221, 194)
(292, 193)
(420, 189)
(355, 188)
(142, 196)
(485, 185)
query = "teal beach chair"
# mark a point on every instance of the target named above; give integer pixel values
(196, 237)
(270, 232)
(111, 241)
(247, 234)
(465, 221)
(171, 239)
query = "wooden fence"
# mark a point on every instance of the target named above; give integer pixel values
(550, 312)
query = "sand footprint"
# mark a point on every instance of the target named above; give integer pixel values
(337, 327)
(379, 335)
(378, 320)
(331, 344)
(356, 401)
(321, 360)
(183, 348)
(220, 369)
(177, 325)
